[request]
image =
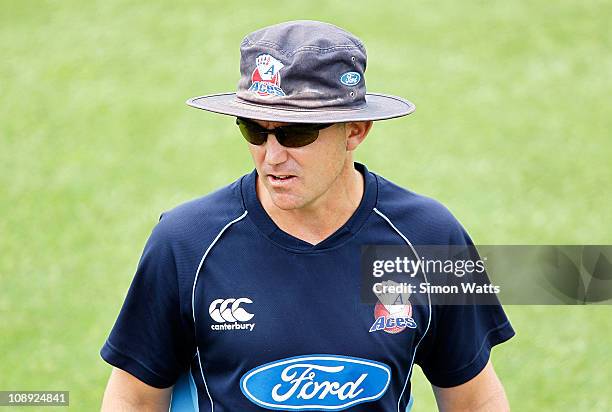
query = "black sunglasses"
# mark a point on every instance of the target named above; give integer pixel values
(294, 135)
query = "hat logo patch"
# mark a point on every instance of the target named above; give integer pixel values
(266, 77)
(350, 78)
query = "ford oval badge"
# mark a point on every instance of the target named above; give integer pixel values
(350, 78)
(316, 382)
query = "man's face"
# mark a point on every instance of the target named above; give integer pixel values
(297, 177)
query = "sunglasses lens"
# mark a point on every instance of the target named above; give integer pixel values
(251, 133)
(288, 136)
(296, 136)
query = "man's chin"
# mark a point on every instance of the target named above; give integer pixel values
(287, 202)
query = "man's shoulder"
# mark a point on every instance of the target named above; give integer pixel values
(184, 232)
(395, 198)
(203, 216)
(429, 220)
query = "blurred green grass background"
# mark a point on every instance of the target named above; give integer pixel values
(512, 133)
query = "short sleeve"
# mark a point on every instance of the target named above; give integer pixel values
(458, 343)
(150, 339)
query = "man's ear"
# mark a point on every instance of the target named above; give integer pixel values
(356, 133)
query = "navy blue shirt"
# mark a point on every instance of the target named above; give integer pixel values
(259, 319)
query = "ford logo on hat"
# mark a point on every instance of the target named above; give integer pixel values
(350, 78)
(316, 382)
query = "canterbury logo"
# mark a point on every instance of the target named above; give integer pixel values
(229, 310)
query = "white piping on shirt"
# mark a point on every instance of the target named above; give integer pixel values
(428, 301)
(195, 281)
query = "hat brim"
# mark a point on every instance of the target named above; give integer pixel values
(378, 107)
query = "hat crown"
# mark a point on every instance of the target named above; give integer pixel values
(294, 35)
(303, 65)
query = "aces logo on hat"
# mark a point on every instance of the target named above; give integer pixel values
(266, 76)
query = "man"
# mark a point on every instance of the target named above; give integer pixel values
(250, 296)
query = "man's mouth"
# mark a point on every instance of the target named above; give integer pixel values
(281, 179)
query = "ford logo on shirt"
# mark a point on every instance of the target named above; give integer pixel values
(316, 382)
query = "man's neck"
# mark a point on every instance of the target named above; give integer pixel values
(317, 221)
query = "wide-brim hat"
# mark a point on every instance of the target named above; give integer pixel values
(303, 72)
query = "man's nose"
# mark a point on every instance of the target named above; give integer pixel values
(275, 152)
